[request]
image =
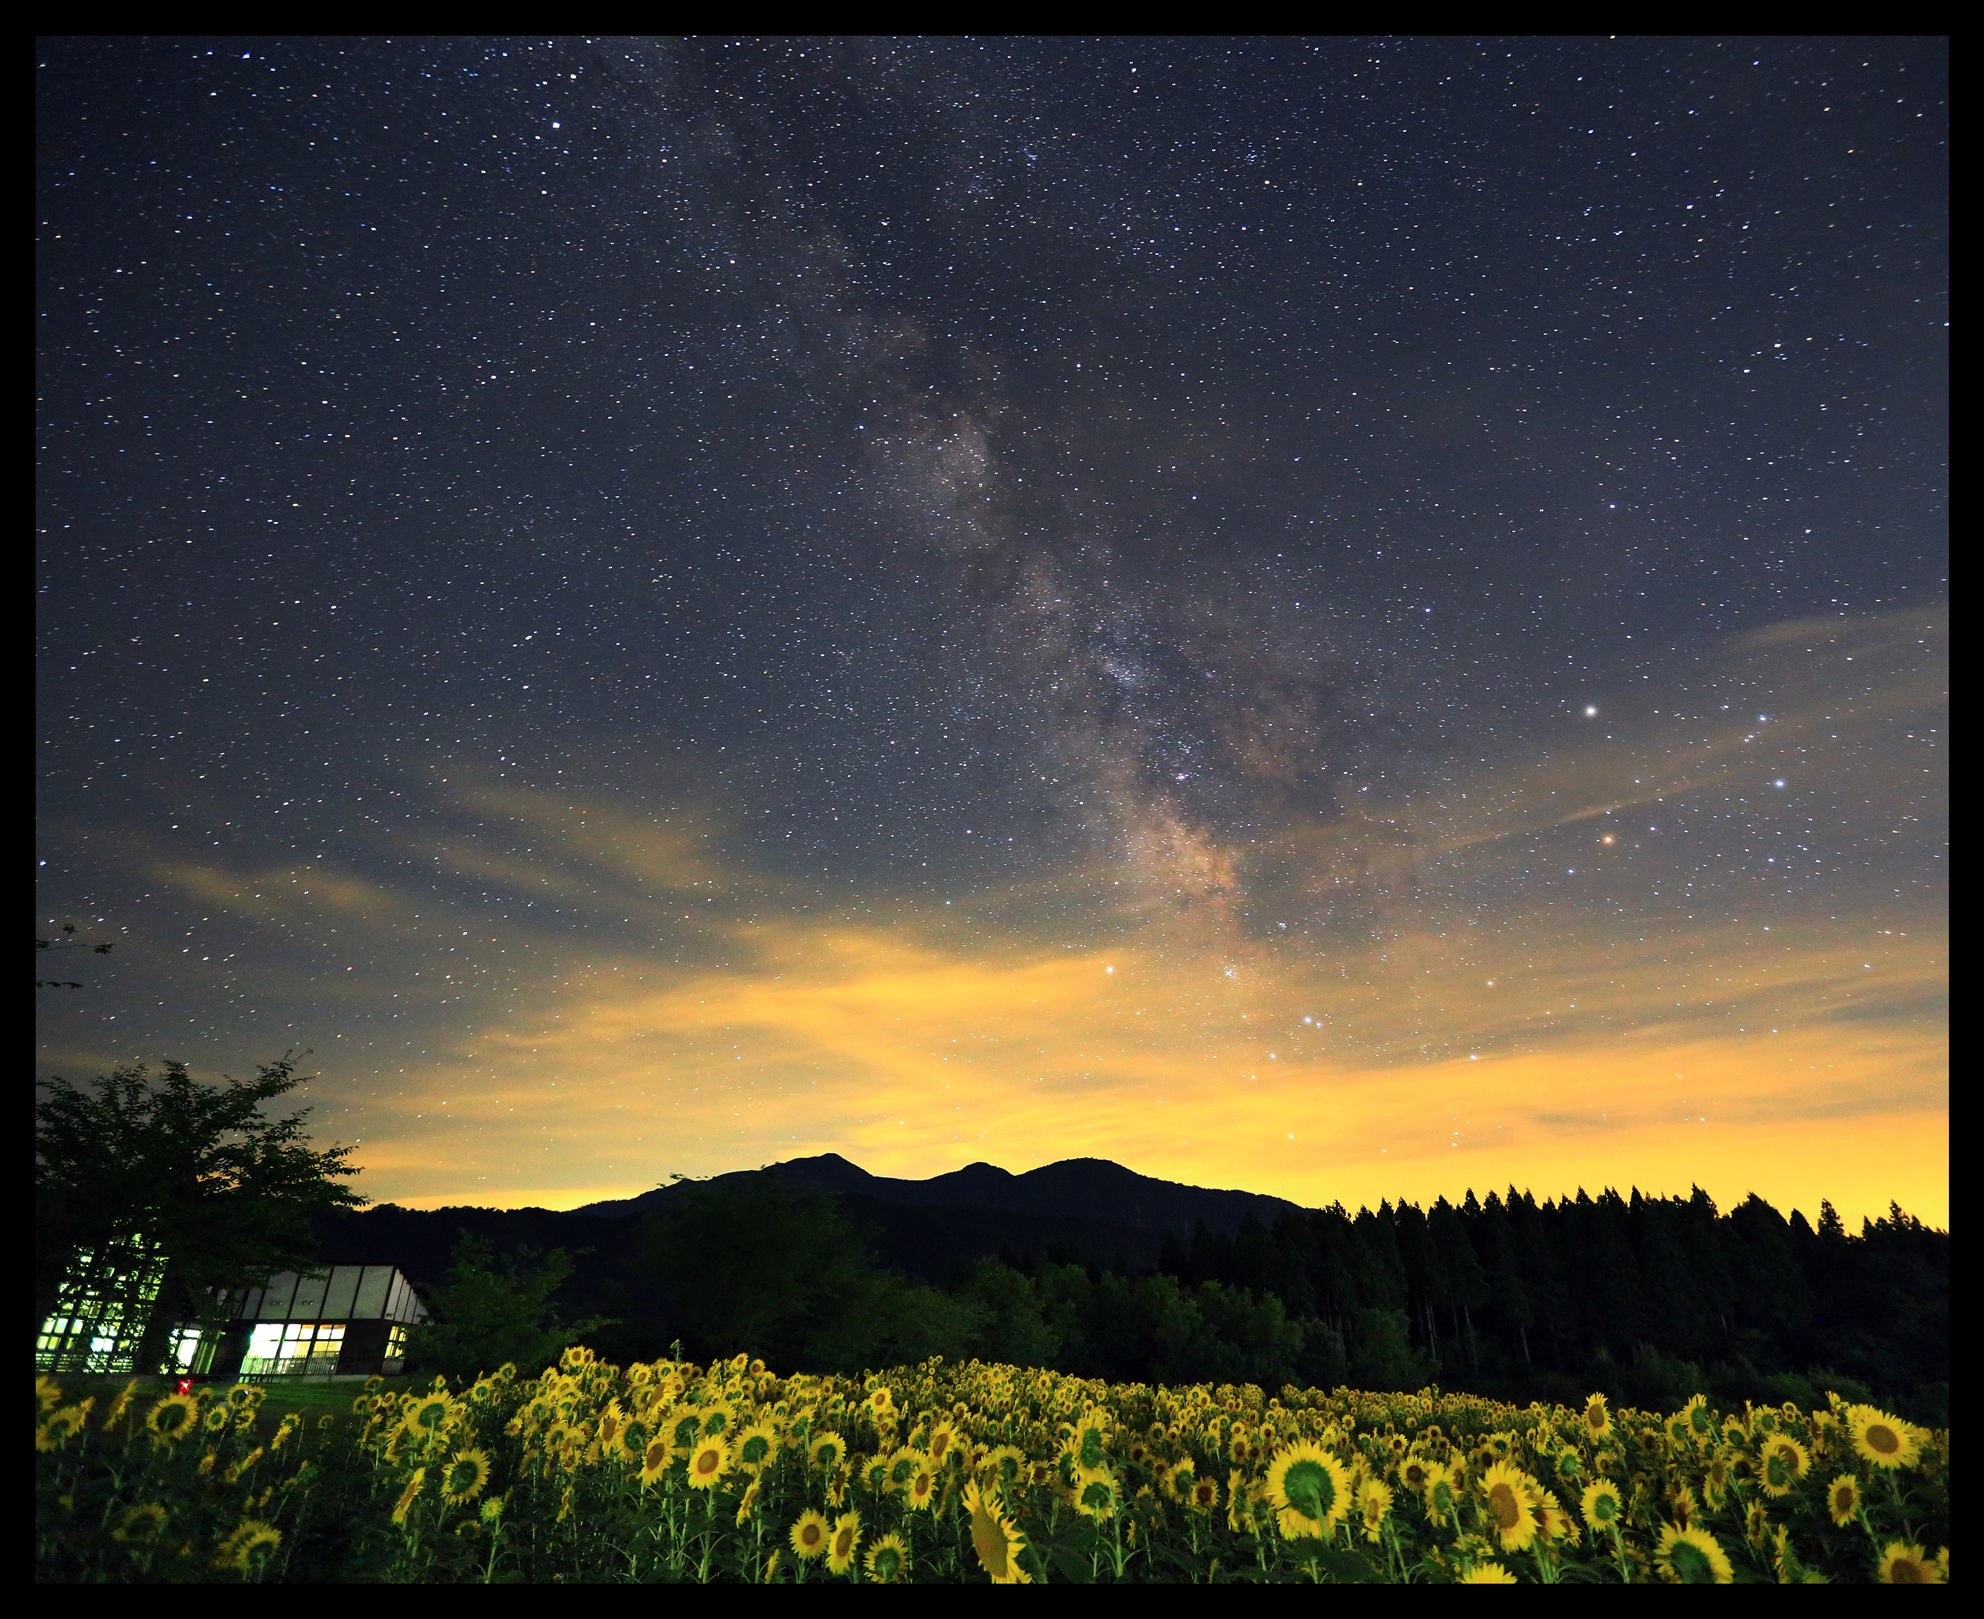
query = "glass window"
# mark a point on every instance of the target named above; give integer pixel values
(192, 1350)
(102, 1309)
(293, 1349)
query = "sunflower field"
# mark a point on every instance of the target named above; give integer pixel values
(944, 1473)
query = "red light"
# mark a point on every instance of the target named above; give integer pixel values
(183, 1386)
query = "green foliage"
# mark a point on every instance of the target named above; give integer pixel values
(199, 1171)
(750, 1262)
(490, 1310)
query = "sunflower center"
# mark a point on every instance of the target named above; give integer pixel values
(1691, 1565)
(988, 1539)
(1883, 1438)
(706, 1462)
(1504, 1507)
(1308, 1488)
(1906, 1571)
(844, 1542)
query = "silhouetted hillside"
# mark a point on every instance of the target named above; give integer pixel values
(1073, 1190)
(1090, 1268)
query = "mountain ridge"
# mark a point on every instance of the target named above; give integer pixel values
(1078, 1189)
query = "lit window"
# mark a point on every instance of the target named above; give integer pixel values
(293, 1349)
(105, 1302)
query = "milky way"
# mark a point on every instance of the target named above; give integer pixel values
(1309, 612)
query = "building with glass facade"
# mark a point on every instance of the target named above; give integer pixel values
(347, 1321)
(102, 1310)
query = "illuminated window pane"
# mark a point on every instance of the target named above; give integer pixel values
(102, 1308)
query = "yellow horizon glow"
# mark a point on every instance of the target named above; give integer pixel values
(1179, 1063)
(1469, 1028)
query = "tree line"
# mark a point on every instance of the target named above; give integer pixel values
(1647, 1299)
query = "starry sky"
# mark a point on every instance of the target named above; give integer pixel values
(1351, 618)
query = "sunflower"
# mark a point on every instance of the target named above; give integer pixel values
(1781, 1463)
(1309, 1488)
(1881, 1439)
(828, 1450)
(1374, 1505)
(1205, 1495)
(682, 1426)
(1099, 1493)
(249, 1547)
(465, 1477)
(846, 1537)
(1507, 1491)
(708, 1460)
(1486, 1574)
(1902, 1564)
(1413, 1473)
(655, 1461)
(1692, 1557)
(1551, 1518)
(887, 1560)
(428, 1415)
(1602, 1505)
(921, 1489)
(173, 1417)
(121, 1404)
(1177, 1478)
(879, 1404)
(632, 1445)
(747, 1504)
(409, 1495)
(1090, 1441)
(1443, 1494)
(809, 1536)
(942, 1438)
(217, 1418)
(141, 1523)
(62, 1426)
(1597, 1418)
(1700, 1419)
(1006, 1464)
(994, 1538)
(757, 1445)
(1843, 1499)
(1681, 1501)
(900, 1467)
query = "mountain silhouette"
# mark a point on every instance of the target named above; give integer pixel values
(1072, 1194)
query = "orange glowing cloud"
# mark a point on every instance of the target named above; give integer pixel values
(1173, 1010)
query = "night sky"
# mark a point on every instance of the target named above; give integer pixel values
(1352, 619)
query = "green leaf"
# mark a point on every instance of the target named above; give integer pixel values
(1071, 1563)
(1350, 1568)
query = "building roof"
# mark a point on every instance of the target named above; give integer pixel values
(342, 1293)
